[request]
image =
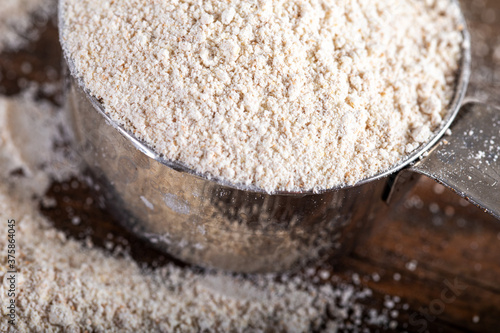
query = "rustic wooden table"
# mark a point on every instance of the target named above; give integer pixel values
(435, 253)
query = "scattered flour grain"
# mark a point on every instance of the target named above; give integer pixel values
(16, 20)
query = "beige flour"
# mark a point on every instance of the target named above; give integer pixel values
(284, 95)
(16, 19)
(64, 287)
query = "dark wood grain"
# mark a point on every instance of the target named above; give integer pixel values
(43, 57)
(415, 250)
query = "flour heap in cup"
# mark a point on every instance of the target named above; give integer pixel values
(286, 95)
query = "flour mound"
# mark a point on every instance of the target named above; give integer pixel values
(284, 95)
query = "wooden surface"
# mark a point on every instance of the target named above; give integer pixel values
(416, 250)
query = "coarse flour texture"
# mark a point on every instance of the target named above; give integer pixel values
(284, 95)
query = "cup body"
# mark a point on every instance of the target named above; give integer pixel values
(206, 223)
(215, 224)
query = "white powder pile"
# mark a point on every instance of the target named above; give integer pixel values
(16, 21)
(284, 95)
(64, 287)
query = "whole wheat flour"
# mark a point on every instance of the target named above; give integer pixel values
(283, 95)
(16, 19)
(63, 286)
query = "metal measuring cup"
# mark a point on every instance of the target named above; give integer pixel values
(213, 223)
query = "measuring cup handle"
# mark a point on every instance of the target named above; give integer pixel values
(468, 160)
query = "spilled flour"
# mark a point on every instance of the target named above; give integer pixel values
(16, 21)
(283, 95)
